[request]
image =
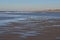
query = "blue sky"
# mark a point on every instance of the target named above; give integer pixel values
(29, 4)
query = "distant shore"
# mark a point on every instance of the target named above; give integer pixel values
(46, 10)
(49, 10)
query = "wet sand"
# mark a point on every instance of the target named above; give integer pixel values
(50, 33)
(37, 30)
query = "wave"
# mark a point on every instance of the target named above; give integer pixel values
(17, 12)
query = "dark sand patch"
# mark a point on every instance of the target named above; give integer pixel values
(9, 37)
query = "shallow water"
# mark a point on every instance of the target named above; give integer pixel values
(10, 17)
(25, 24)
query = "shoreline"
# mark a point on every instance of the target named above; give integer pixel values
(44, 30)
(31, 11)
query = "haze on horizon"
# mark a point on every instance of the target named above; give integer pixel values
(29, 5)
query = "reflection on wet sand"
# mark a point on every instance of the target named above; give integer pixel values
(33, 30)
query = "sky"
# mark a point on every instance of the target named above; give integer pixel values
(29, 5)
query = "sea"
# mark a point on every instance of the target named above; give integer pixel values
(6, 17)
(22, 17)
